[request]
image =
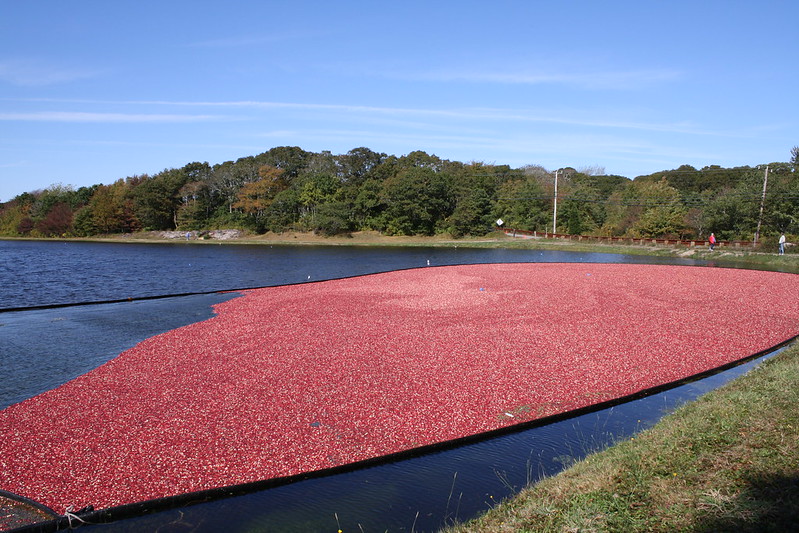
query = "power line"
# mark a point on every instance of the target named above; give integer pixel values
(692, 201)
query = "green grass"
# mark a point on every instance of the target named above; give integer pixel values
(727, 462)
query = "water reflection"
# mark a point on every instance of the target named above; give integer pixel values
(50, 273)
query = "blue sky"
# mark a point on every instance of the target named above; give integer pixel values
(95, 91)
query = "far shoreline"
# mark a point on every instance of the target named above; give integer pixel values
(497, 239)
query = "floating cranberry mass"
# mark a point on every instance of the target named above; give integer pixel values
(299, 378)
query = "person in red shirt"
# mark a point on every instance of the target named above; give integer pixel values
(712, 240)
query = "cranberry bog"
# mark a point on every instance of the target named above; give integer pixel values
(306, 378)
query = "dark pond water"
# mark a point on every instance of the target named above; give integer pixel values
(44, 347)
(35, 273)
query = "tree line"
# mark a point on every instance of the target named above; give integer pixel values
(289, 189)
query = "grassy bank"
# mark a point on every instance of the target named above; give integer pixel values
(726, 462)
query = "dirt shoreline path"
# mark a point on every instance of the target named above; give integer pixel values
(300, 378)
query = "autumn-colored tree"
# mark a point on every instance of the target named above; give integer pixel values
(255, 197)
(25, 226)
(112, 210)
(287, 187)
(13, 213)
(58, 221)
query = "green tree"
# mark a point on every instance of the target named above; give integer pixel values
(357, 165)
(284, 211)
(82, 222)
(368, 205)
(224, 186)
(522, 203)
(583, 205)
(417, 199)
(474, 186)
(315, 190)
(291, 159)
(646, 208)
(472, 214)
(332, 218)
(195, 205)
(729, 216)
(732, 212)
(781, 209)
(195, 199)
(662, 213)
(49, 197)
(420, 159)
(157, 199)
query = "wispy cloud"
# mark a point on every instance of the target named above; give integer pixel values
(255, 104)
(575, 117)
(73, 116)
(412, 117)
(614, 79)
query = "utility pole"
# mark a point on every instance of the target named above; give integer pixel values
(762, 201)
(555, 211)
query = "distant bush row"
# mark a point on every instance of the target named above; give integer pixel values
(288, 188)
